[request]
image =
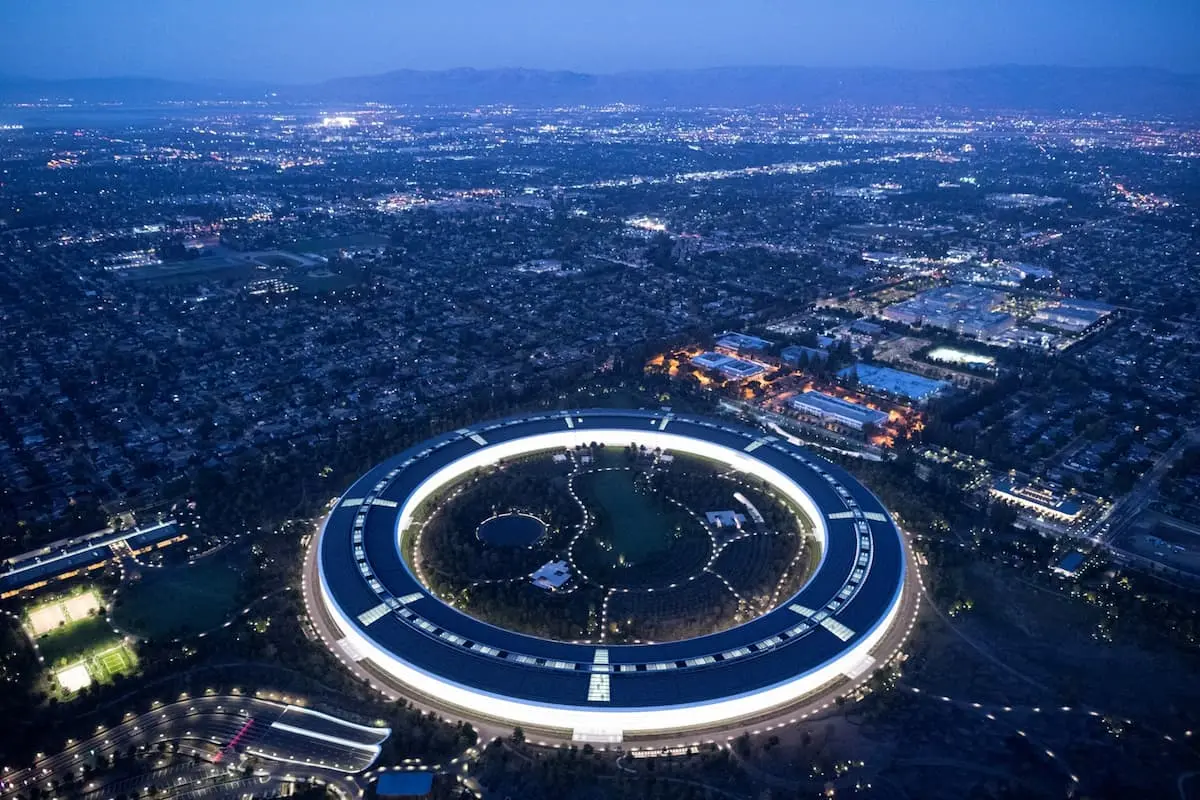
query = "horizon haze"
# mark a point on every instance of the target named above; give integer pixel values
(296, 43)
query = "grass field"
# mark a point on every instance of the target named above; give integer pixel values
(632, 521)
(637, 539)
(69, 643)
(182, 600)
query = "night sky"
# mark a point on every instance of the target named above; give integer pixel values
(307, 40)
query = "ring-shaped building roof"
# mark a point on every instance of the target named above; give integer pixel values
(824, 632)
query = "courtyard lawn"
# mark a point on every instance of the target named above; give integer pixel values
(632, 521)
(637, 540)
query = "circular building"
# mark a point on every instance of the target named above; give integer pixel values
(832, 630)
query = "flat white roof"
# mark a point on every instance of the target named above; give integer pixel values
(74, 677)
(552, 574)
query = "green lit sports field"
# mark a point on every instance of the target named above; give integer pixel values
(118, 660)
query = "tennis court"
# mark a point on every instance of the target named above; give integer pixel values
(114, 661)
(49, 617)
(81, 605)
(61, 612)
(74, 677)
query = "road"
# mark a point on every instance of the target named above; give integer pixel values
(1182, 781)
(202, 727)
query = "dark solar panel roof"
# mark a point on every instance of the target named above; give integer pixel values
(863, 551)
(78, 553)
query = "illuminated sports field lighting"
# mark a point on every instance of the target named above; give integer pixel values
(813, 641)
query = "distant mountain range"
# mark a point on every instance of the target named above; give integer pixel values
(1133, 91)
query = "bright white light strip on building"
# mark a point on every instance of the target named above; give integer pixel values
(651, 439)
(547, 715)
(325, 737)
(380, 732)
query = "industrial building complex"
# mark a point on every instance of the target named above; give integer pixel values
(742, 344)
(826, 408)
(834, 629)
(1041, 500)
(894, 382)
(728, 366)
(961, 309)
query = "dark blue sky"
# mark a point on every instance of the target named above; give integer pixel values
(305, 40)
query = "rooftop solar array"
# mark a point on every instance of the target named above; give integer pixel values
(367, 581)
(32, 568)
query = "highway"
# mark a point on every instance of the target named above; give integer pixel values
(280, 736)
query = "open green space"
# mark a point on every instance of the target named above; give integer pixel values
(72, 641)
(634, 523)
(641, 536)
(637, 537)
(193, 271)
(183, 600)
(603, 457)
